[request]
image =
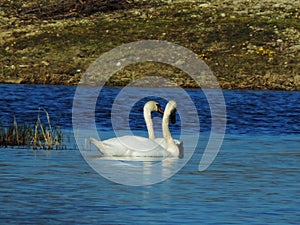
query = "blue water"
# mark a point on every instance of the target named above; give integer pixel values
(255, 179)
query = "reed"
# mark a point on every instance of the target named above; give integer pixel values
(15, 134)
(36, 136)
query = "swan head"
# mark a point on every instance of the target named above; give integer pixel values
(153, 106)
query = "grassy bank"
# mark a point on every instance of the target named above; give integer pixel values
(248, 44)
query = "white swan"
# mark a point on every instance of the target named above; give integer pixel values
(140, 146)
(167, 142)
(165, 128)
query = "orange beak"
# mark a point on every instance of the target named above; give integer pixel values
(160, 110)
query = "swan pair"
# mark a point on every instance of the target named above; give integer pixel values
(137, 146)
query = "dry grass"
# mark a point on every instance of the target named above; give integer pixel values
(38, 136)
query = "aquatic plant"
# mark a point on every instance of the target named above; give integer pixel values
(35, 136)
(15, 134)
(46, 137)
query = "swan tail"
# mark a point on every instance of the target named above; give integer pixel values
(98, 144)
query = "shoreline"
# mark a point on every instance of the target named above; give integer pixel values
(120, 87)
(248, 45)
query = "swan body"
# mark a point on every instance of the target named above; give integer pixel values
(144, 147)
(131, 146)
(162, 142)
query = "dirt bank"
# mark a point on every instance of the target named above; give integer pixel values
(248, 44)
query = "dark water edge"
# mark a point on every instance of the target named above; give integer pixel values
(248, 112)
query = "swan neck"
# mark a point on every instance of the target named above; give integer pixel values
(149, 124)
(166, 130)
(171, 147)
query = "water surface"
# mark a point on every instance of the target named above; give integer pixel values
(254, 179)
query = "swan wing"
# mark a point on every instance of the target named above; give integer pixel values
(162, 142)
(143, 147)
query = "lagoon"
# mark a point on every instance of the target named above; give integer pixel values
(254, 178)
